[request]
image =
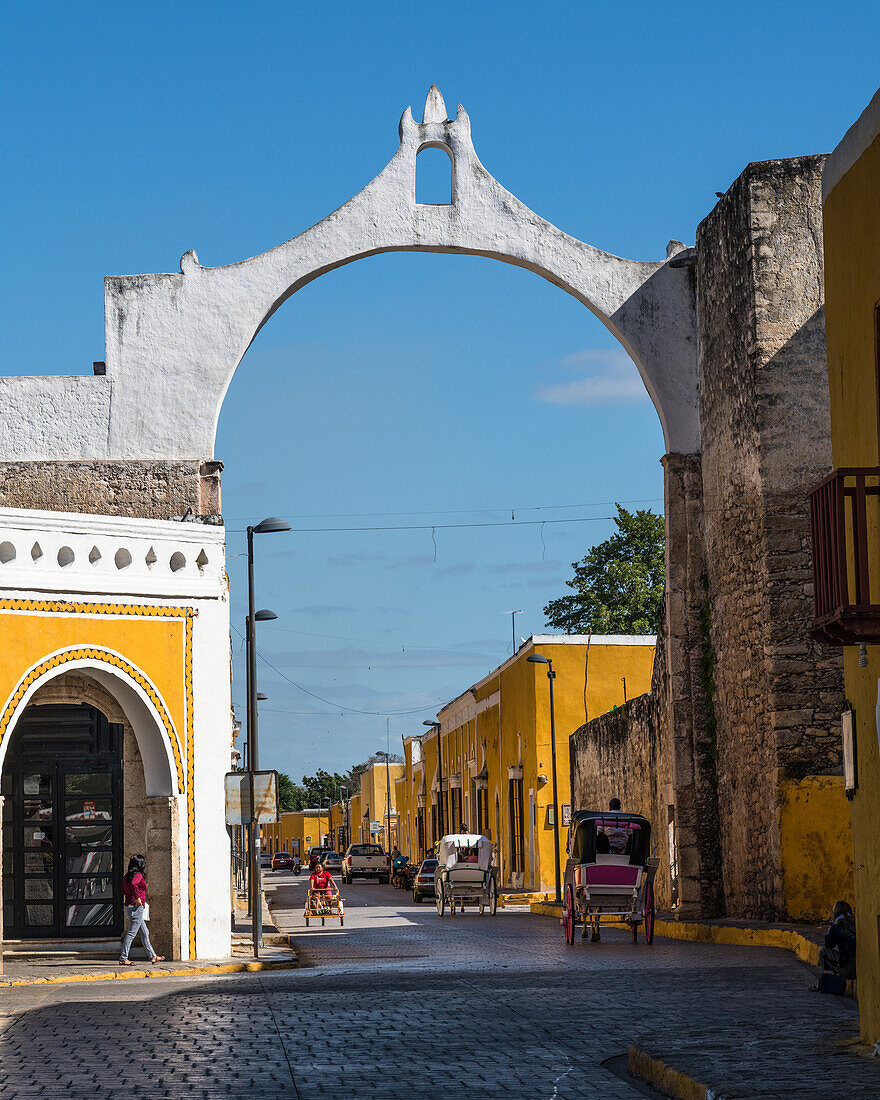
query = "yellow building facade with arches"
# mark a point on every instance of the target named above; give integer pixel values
(488, 762)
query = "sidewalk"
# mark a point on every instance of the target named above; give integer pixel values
(42, 963)
(801, 1054)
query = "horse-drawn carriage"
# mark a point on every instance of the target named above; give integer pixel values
(609, 875)
(465, 874)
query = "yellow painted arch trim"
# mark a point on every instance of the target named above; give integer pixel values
(102, 656)
(135, 611)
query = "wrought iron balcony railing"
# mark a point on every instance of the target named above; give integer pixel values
(845, 525)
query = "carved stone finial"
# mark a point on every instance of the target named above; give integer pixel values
(435, 108)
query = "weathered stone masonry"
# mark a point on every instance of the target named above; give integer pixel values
(763, 700)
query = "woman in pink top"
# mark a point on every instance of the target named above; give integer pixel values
(134, 892)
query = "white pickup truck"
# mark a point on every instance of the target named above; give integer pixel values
(366, 861)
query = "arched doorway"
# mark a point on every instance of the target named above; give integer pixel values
(63, 815)
(86, 783)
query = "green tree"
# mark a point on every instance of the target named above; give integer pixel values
(289, 794)
(618, 586)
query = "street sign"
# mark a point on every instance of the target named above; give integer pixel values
(375, 828)
(238, 798)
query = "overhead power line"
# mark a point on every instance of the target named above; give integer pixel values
(442, 526)
(463, 511)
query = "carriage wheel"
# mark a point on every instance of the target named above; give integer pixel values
(441, 902)
(568, 915)
(649, 913)
(493, 897)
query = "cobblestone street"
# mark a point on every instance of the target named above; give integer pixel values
(399, 1003)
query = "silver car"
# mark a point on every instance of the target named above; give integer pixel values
(332, 862)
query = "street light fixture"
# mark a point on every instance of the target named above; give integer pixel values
(436, 726)
(537, 659)
(270, 525)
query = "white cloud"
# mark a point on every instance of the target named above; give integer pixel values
(614, 381)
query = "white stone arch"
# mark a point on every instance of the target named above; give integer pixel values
(141, 703)
(174, 341)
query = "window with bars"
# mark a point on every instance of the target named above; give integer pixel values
(515, 810)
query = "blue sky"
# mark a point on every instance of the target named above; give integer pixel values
(403, 390)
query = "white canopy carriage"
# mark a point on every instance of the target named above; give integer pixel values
(465, 873)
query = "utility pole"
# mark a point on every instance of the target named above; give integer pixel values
(513, 615)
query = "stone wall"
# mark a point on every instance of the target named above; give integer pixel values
(147, 490)
(766, 440)
(746, 706)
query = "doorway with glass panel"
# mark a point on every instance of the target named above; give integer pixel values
(63, 825)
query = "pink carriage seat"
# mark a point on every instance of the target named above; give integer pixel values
(612, 874)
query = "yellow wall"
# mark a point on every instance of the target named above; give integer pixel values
(504, 720)
(295, 826)
(816, 846)
(852, 290)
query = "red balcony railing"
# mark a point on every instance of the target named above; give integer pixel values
(845, 525)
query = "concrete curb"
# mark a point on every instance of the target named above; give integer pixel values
(787, 939)
(665, 1079)
(186, 972)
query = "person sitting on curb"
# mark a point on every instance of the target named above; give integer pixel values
(838, 957)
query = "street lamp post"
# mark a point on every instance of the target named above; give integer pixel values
(436, 726)
(267, 526)
(537, 659)
(345, 833)
(387, 798)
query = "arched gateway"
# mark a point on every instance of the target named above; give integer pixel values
(133, 446)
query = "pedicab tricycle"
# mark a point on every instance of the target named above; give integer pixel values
(465, 874)
(609, 875)
(323, 904)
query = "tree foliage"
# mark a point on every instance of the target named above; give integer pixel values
(618, 586)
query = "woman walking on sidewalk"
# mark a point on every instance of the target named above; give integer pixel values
(137, 911)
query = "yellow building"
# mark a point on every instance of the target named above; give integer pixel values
(296, 831)
(367, 815)
(488, 764)
(846, 519)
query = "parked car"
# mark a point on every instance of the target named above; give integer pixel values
(333, 863)
(366, 861)
(282, 861)
(265, 858)
(316, 855)
(423, 883)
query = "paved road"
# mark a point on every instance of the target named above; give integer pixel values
(399, 1003)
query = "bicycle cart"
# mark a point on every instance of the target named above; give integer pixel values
(465, 874)
(323, 905)
(609, 876)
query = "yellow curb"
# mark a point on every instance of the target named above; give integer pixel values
(252, 966)
(786, 938)
(669, 1081)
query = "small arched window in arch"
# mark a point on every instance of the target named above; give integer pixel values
(434, 168)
